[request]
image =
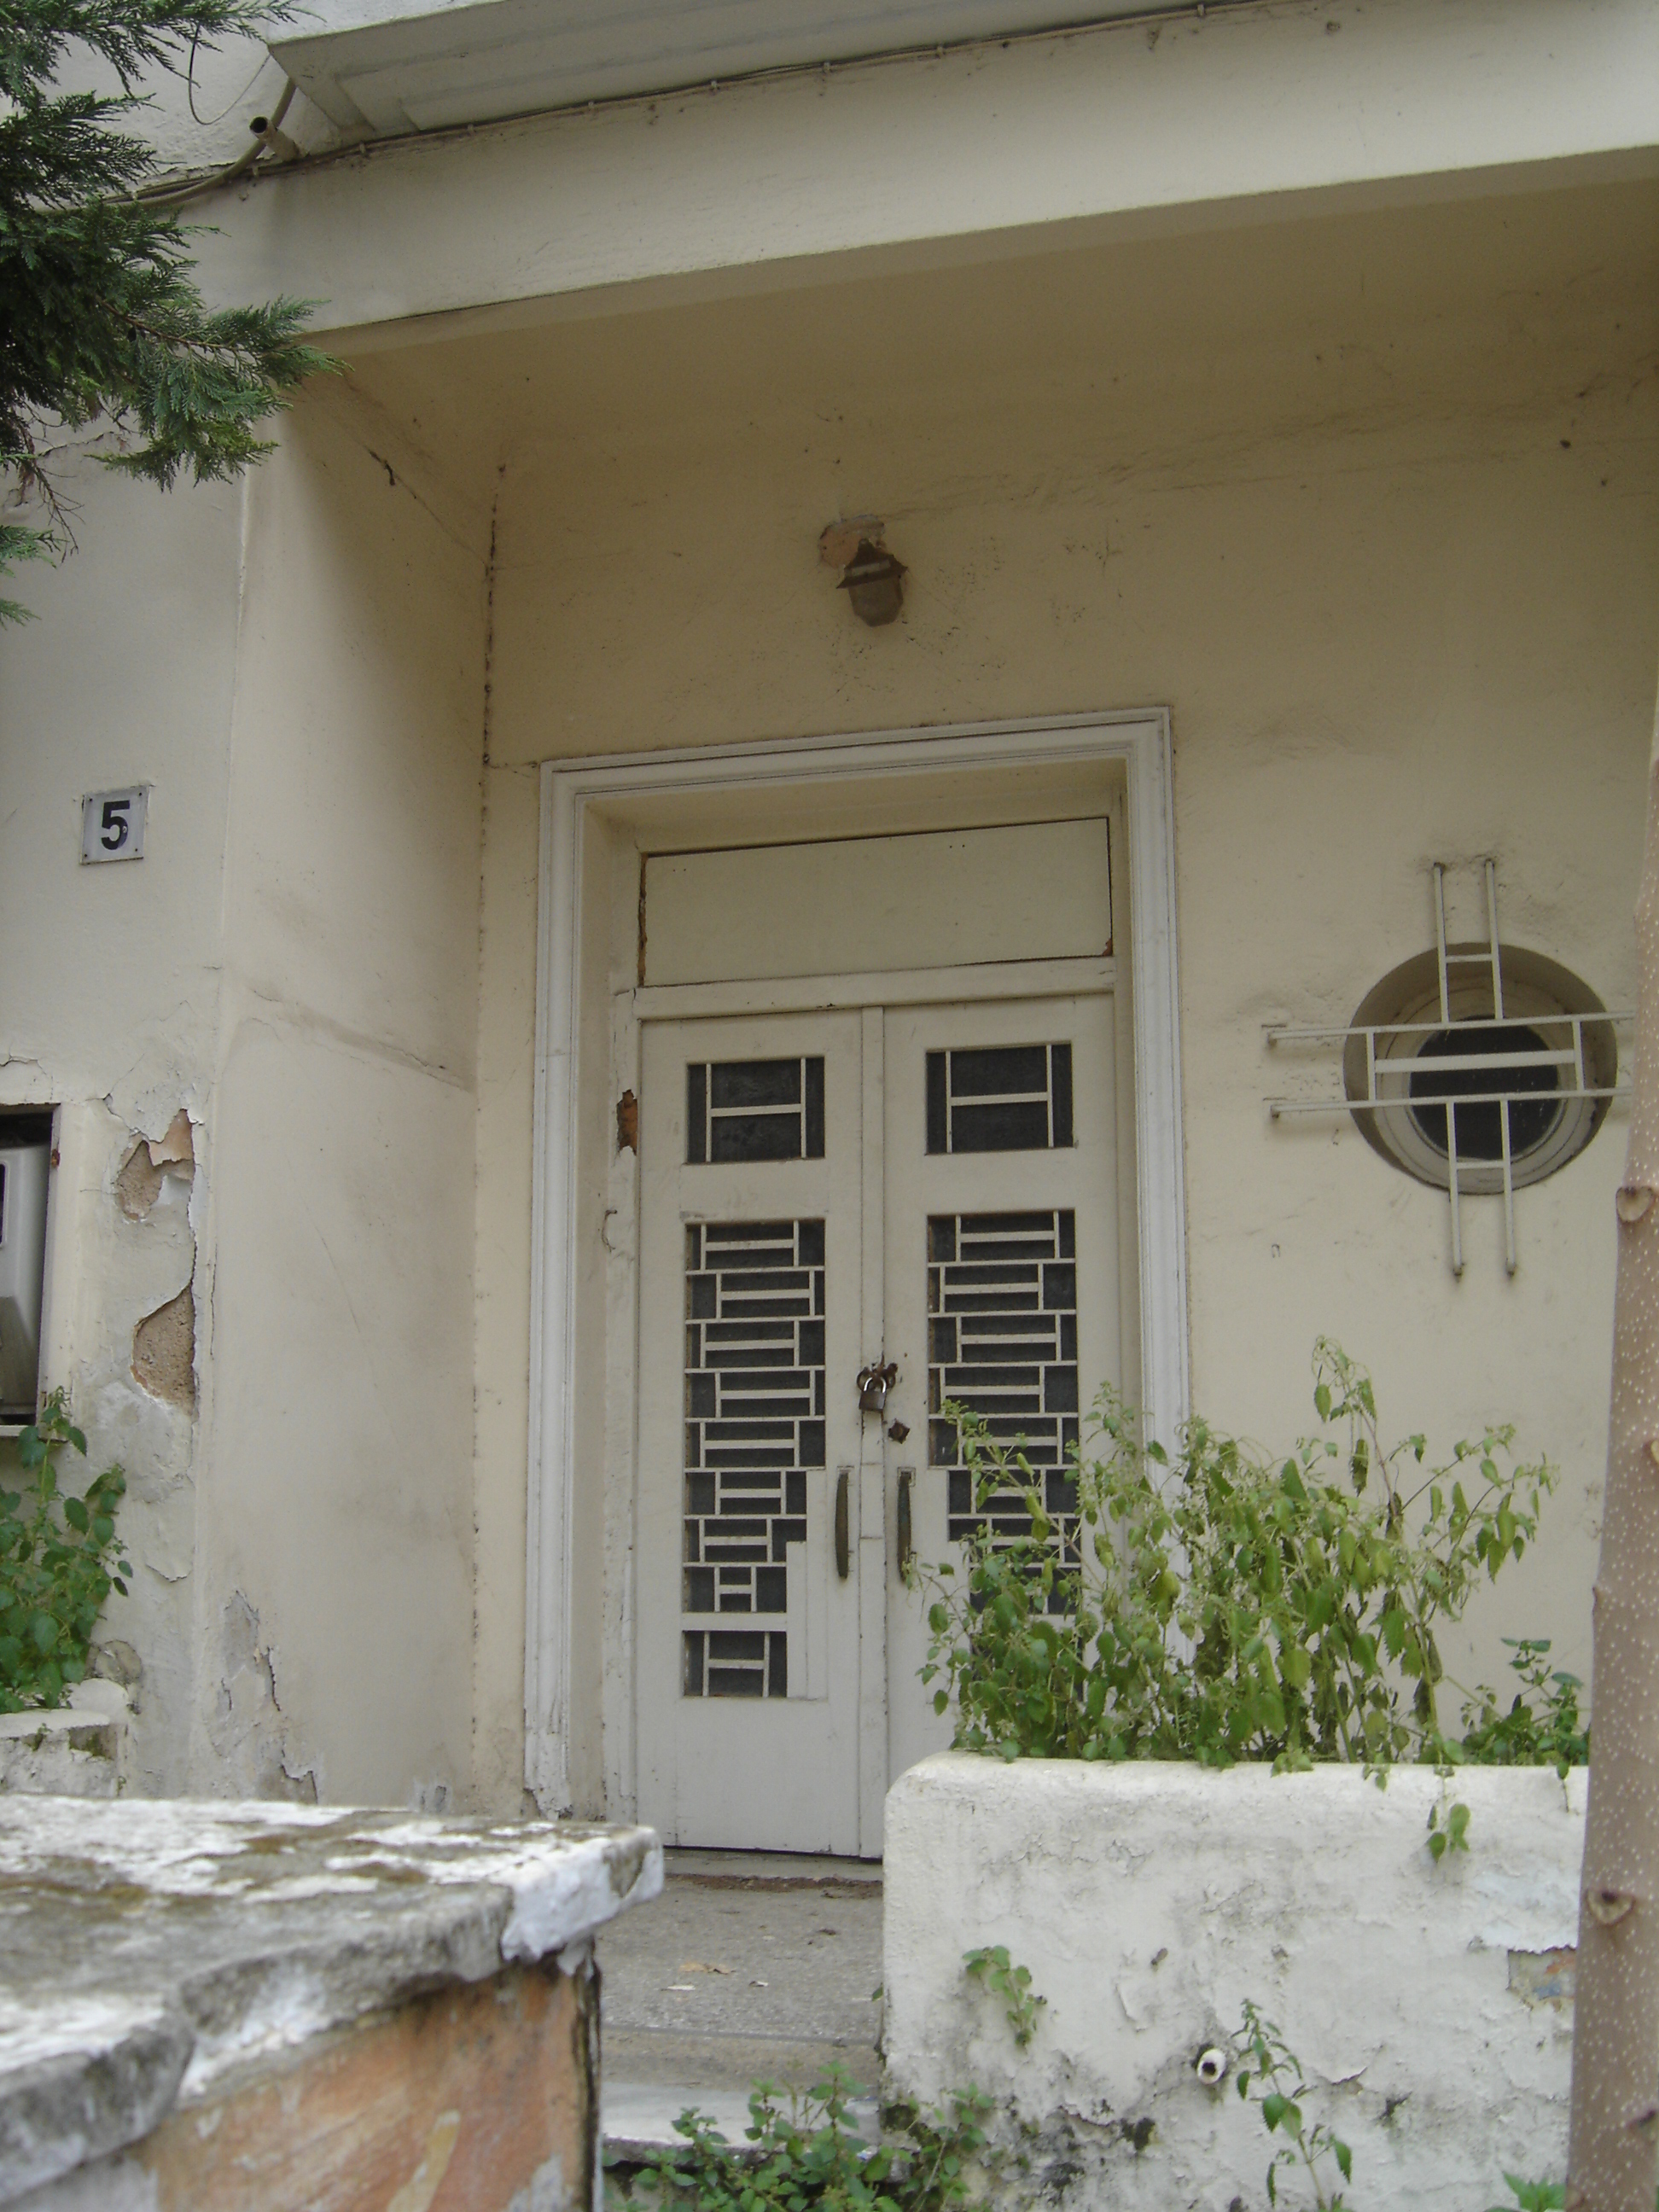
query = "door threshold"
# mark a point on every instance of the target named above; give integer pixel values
(732, 1869)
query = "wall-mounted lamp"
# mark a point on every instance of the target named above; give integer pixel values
(874, 582)
(872, 577)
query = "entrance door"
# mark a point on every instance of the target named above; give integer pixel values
(933, 1185)
(751, 1159)
(1001, 1276)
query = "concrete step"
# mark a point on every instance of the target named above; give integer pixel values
(661, 2058)
(751, 1967)
(772, 1871)
(637, 2118)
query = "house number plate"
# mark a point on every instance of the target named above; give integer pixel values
(112, 823)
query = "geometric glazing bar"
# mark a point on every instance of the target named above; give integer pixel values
(754, 1425)
(744, 1110)
(1002, 1341)
(1000, 1098)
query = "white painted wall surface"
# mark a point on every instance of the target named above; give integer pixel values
(1149, 1901)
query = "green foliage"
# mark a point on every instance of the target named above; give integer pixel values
(993, 1969)
(1222, 1605)
(98, 313)
(59, 1558)
(1273, 2070)
(1532, 2195)
(1552, 1735)
(804, 2152)
(1536, 2197)
(1450, 1835)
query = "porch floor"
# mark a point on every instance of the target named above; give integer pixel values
(750, 1966)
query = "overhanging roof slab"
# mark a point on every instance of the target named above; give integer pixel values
(392, 73)
(1242, 115)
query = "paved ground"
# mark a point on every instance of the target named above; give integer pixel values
(747, 1968)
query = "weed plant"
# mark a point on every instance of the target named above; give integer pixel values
(1218, 1604)
(803, 2153)
(60, 1559)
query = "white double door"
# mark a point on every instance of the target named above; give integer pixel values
(933, 1186)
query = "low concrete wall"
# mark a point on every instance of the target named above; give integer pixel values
(222, 2007)
(81, 1749)
(1430, 2003)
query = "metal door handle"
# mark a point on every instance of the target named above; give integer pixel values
(906, 1548)
(843, 1555)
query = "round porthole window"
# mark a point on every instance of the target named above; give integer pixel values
(1420, 1084)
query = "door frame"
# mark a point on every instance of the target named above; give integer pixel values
(565, 1070)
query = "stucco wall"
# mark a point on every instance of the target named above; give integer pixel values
(1371, 504)
(108, 993)
(1369, 500)
(1431, 2004)
(295, 666)
(337, 1493)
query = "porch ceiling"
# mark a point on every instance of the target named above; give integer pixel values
(1182, 353)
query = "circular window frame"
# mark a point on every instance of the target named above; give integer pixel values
(1538, 994)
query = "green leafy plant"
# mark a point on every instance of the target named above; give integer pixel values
(1272, 2070)
(804, 2152)
(991, 1968)
(1532, 2195)
(1218, 1604)
(1553, 1735)
(99, 313)
(60, 1559)
(1452, 1834)
(1537, 2196)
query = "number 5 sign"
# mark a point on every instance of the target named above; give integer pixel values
(112, 824)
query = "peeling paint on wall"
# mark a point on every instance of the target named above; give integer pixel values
(164, 1350)
(121, 1337)
(144, 1172)
(1544, 1977)
(248, 1732)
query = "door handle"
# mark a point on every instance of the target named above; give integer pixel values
(843, 1550)
(906, 1548)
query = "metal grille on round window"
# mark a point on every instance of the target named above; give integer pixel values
(1476, 1066)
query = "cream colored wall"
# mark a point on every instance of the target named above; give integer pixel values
(296, 667)
(1372, 505)
(108, 994)
(1370, 502)
(506, 1034)
(337, 1493)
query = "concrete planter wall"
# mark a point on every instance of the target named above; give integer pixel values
(1431, 2004)
(258, 2008)
(81, 1749)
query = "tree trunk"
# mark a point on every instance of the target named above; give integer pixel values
(1615, 2051)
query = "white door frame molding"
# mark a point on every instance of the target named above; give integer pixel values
(1141, 741)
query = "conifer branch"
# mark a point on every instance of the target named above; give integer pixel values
(100, 318)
